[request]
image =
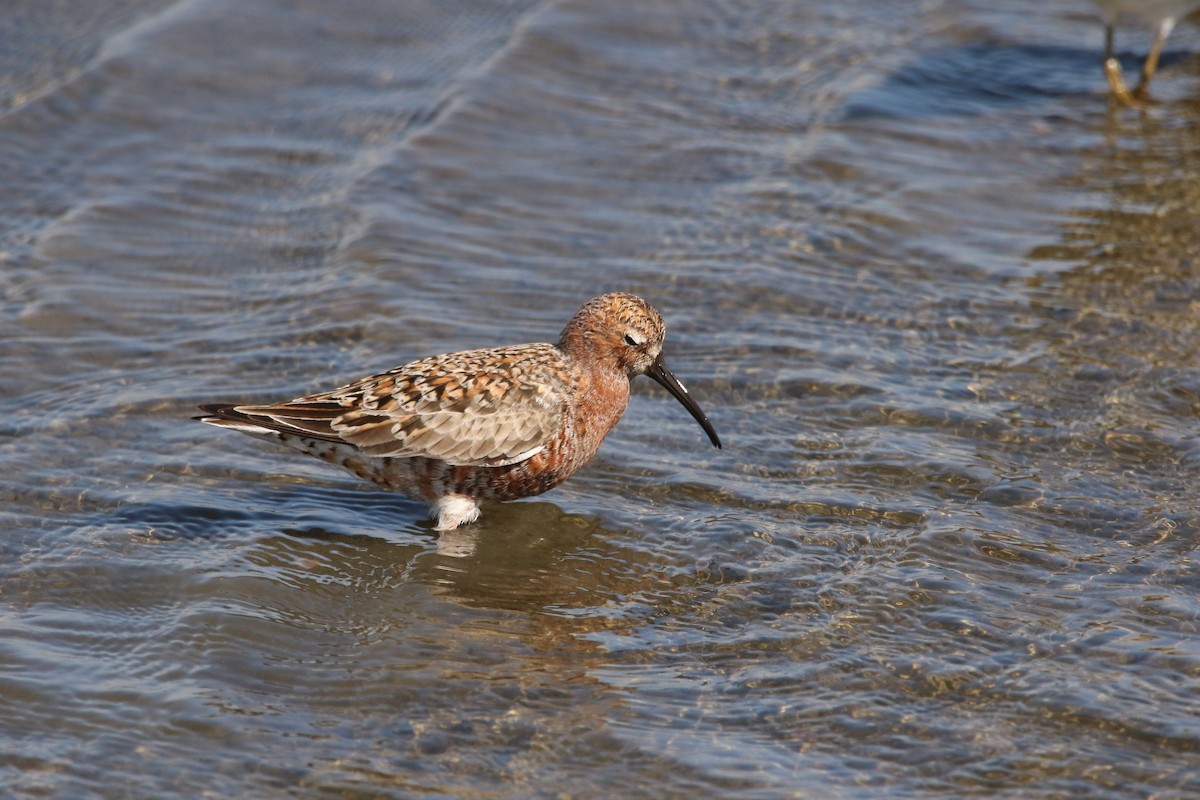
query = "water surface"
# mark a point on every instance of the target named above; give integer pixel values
(935, 291)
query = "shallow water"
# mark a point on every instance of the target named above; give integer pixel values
(936, 293)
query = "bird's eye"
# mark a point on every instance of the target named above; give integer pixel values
(632, 342)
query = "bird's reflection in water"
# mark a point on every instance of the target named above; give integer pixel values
(525, 556)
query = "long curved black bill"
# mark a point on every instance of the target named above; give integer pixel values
(665, 378)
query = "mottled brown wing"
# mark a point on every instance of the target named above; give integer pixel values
(477, 408)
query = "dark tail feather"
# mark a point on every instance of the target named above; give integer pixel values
(221, 411)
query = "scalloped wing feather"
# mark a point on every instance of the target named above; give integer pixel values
(491, 407)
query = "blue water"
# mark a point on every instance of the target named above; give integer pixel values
(935, 291)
